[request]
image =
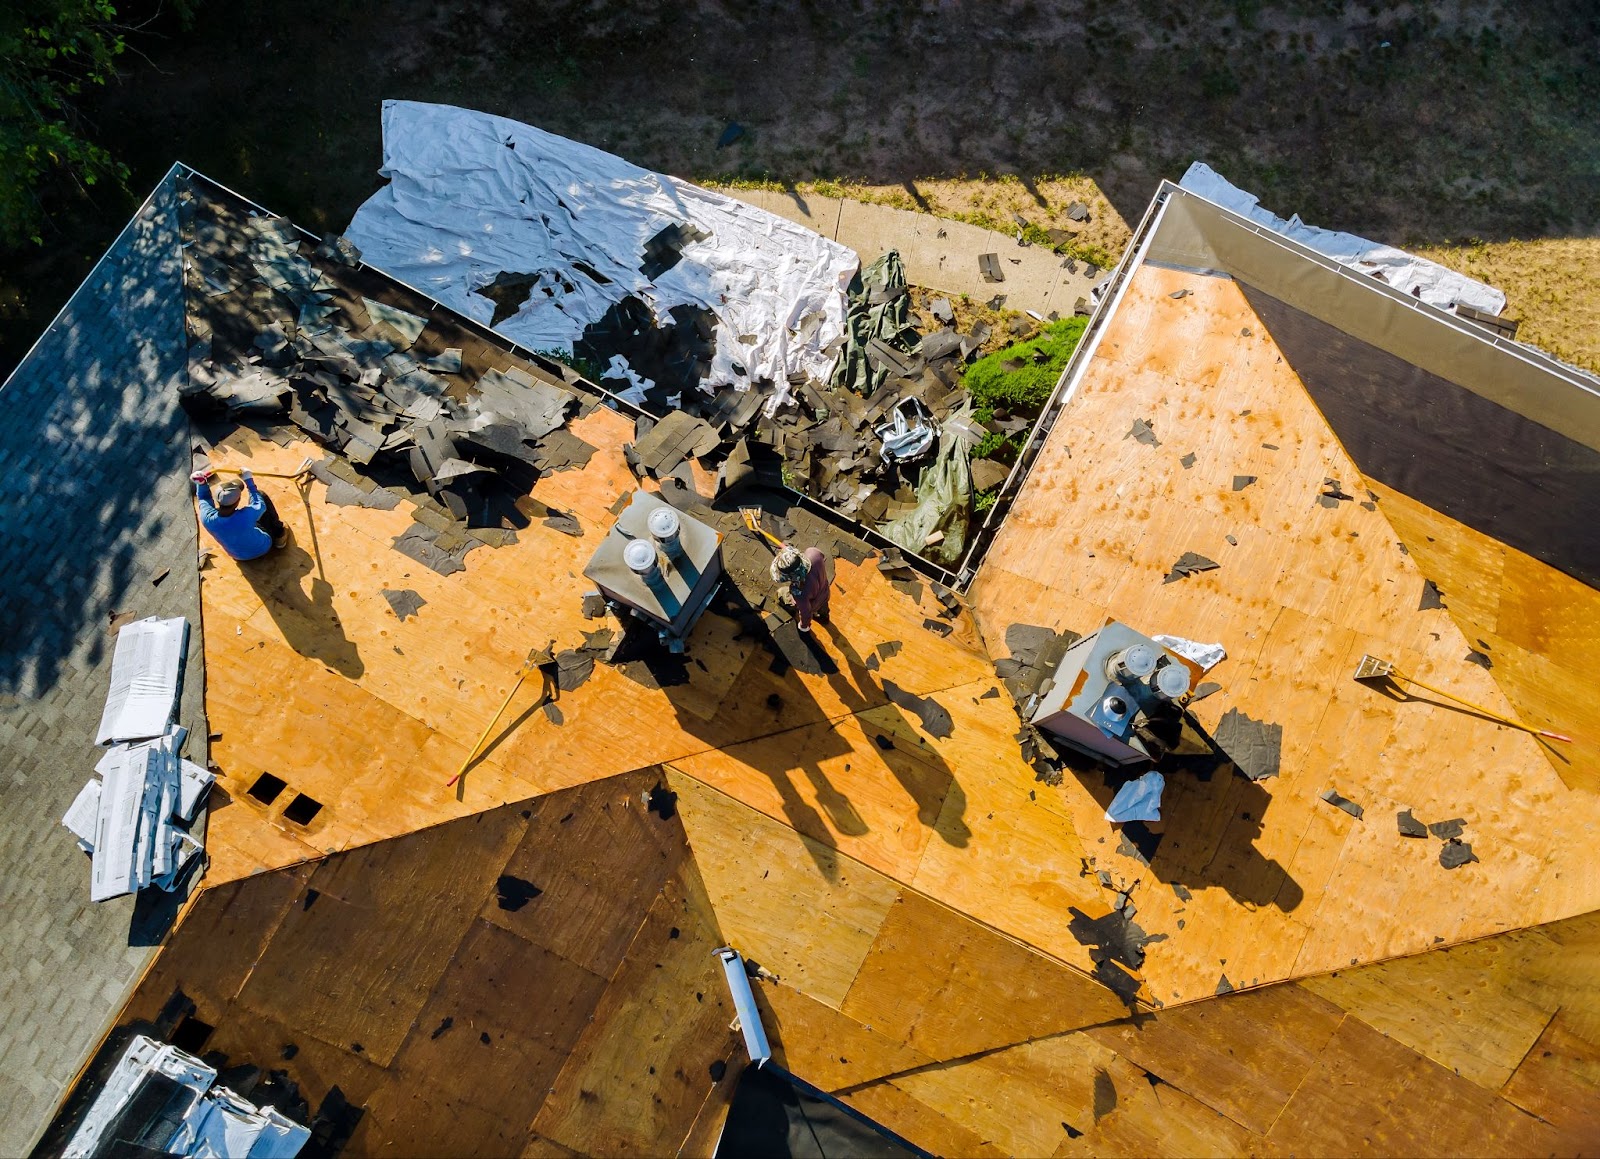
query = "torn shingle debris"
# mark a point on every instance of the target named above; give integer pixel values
(1332, 494)
(1341, 802)
(1445, 830)
(1188, 460)
(1189, 563)
(1255, 747)
(1143, 432)
(1409, 826)
(404, 602)
(1432, 597)
(1240, 482)
(1455, 853)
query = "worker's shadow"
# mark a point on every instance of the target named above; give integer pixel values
(308, 622)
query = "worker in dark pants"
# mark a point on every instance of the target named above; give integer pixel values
(806, 574)
(240, 518)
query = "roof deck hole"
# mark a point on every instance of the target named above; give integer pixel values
(191, 1034)
(302, 809)
(267, 788)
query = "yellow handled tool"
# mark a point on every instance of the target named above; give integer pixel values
(1372, 668)
(752, 520)
(301, 470)
(536, 658)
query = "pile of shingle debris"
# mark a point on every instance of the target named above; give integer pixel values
(826, 435)
(280, 341)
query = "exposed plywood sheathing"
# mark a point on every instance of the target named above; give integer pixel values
(1282, 884)
(466, 1012)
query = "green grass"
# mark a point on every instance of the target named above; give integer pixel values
(1026, 388)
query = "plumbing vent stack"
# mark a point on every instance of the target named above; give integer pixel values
(664, 524)
(744, 1001)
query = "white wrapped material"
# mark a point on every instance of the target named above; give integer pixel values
(145, 670)
(472, 196)
(1208, 656)
(1431, 282)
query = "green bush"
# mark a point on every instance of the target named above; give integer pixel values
(1026, 388)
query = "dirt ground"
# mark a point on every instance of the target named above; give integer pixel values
(1419, 124)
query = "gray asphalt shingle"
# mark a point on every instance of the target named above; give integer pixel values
(94, 503)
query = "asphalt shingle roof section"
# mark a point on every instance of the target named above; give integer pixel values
(96, 524)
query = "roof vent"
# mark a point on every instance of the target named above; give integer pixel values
(664, 524)
(1132, 663)
(640, 556)
(1171, 681)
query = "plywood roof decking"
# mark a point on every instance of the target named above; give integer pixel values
(1283, 884)
(588, 1016)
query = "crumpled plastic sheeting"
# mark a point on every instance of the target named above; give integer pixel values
(472, 195)
(1405, 272)
(1208, 656)
(944, 497)
(1138, 800)
(879, 308)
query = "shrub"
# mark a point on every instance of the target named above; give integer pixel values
(1027, 387)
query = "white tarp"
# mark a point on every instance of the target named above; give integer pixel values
(1208, 656)
(145, 670)
(472, 196)
(1138, 800)
(1435, 284)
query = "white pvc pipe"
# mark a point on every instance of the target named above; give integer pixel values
(744, 1001)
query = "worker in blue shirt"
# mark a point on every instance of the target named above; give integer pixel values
(245, 529)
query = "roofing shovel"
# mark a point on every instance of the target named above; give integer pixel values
(752, 520)
(536, 659)
(1372, 668)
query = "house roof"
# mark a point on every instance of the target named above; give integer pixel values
(95, 529)
(934, 922)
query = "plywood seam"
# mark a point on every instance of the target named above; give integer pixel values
(975, 1056)
(1307, 1075)
(1537, 1039)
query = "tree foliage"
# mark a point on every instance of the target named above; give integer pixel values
(52, 53)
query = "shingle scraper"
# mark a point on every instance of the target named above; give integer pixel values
(1374, 669)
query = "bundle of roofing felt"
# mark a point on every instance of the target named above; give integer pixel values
(134, 818)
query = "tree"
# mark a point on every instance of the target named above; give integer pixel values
(51, 53)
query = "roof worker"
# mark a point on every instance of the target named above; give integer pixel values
(244, 528)
(806, 574)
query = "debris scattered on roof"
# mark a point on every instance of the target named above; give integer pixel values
(1409, 825)
(1180, 294)
(1455, 853)
(1335, 799)
(1189, 563)
(1224, 986)
(1208, 656)
(1240, 482)
(1332, 493)
(1255, 747)
(1205, 689)
(404, 602)
(1143, 431)
(1481, 659)
(512, 893)
(1432, 597)
(1445, 830)
(1138, 800)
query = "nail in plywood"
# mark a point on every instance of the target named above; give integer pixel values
(948, 987)
(828, 1049)
(1557, 1081)
(1370, 1094)
(800, 908)
(495, 1032)
(599, 857)
(1452, 1005)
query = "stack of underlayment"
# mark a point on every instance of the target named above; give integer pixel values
(159, 1100)
(135, 817)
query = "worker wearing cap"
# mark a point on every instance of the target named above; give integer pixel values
(806, 573)
(245, 528)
